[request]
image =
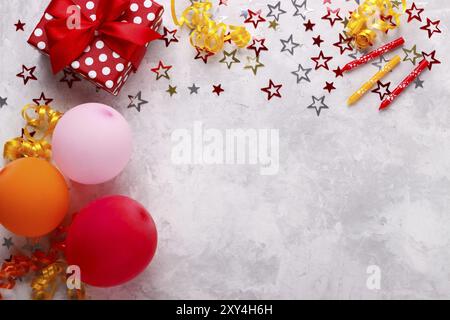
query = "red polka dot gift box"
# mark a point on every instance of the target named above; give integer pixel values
(102, 40)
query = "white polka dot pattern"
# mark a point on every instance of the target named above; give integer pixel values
(38, 32)
(106, 71)
(41, 45)
(75, 64)
(90, 5)
(102, 57)
(92, 74)
(134, 7)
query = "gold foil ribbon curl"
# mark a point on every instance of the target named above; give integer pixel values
(33, 142)
(368, 18)
(206, 33)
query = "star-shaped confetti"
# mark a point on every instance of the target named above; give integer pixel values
(309, 26)
(7, 242)
(136, 101)
(301, 10)
(42, 100)
(382, 89)
(3, 102)
(411, 55)
(418, 83)
(275, 11)
(253, 64)
(69, 77)
(203, 54)
(431, 58)
(229, 58)
(329, 86)
(169, 36)
(254, 18)
(272, 90)
(332, 16)
(302, 73)
(380, 63)
(258, 45)
(289, 45)
(321, 61)
(317, 41)
(338, 72)
(273, 24)
(414, 13)
(19, 26)
(318, 107)
(344, 44)
(193, 89)
(27, 74)
(217, 89)
(172, 90)
(431, 27)
(161, 71)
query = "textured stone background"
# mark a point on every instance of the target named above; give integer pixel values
(356, 187)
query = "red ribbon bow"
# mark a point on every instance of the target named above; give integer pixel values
(66, 43)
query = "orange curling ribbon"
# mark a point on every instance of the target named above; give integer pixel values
(33, 142)
(373, 15)
(206, 33)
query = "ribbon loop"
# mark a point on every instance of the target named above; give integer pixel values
(206, 33)
(373, 15)
(33, 142)
(66, 43)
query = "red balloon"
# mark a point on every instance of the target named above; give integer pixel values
(112, 240)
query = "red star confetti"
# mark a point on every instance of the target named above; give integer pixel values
(390, 21)
(329, 87)
(321, 61)
(332, 16)
(19, 26)
(309, 26)
(42, 100)
(338, 72)
(168, 36)
(431, 27)
(414, 13)
(258, 46)
(382, 90)
(27, 74)
(218, 89)
(203, 54)
(254, 18)
(161, 71)
(317, 41)
(344, 44)
(69, 77)
(431, 58)
(273, 90)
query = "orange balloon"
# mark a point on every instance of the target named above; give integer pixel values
(34, 197)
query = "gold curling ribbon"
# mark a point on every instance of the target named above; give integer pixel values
(367, 19)
(206, 33)
(44, 285)
(33, 142)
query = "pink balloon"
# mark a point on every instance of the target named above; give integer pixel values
(111, 240)
(92, 143)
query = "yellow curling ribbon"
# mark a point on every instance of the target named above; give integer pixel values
(33, 142)
(44, 285)
(206, 33)
(367, 19)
